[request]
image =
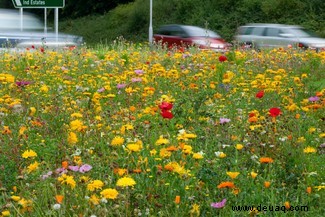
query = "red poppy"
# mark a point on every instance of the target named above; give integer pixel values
(260, 94)
(166, 114)
(274, 112)
(166, 106)
(222, 58)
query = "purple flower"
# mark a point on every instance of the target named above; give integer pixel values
(85, 168)
(138, 71)
(219, 205)
(313, 99)
(120, 86)
(22, 83)
(74, 168)
(136, 79)
(224, 120)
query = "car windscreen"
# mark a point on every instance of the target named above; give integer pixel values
(193, 31)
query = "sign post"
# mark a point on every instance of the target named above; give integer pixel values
(41, 4)
(150, 24)
(38, 3)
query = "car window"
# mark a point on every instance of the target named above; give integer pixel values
(194, 31)
(271, 32)
(257, 31)
(171, 30)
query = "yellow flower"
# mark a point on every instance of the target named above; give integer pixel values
(164, 153)
(162, 141)
(29, 153)
(320, 187)
(187, 149)
(239, 146)
(94, 199)
(220, 154)
(233, 175)
(94, 185)
(76, 115)
(15, 198)
(309, 150)
(22, 130)
(72, 138)
(76, 125)
(311, 130)
(135, 147)
(5, 213)
(117, 141)
(65, 179)
(32, 111)
(197, 156)
(44, 89)
(32, 167)
(125, 182)
(322, 135)
(109, 193)
(195, 209)
(253, 174)
(301, 140)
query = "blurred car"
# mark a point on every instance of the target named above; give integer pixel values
(32, 34)
(185, 35)
(277, 35)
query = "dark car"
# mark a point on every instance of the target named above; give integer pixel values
(185, 35)
(31, 33)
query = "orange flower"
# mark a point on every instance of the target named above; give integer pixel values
(266, 160)
(65, 164)
(253, 119)
(177, 199)
(267, 184)
(308, 190)
(137, 171)
(287, 205)
(59, 198)
(172, 148)
(226, 185)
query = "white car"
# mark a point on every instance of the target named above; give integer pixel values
(261, 36)
(32, 33)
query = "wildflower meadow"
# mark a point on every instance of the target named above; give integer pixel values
(138, 130)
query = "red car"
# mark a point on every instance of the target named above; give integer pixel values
(184, 35)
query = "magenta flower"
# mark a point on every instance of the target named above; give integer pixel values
(23, 83)
(219, 205)
(313, 99)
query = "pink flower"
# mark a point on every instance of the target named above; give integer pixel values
(219, 205)
(224, 120)
(85, 168)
